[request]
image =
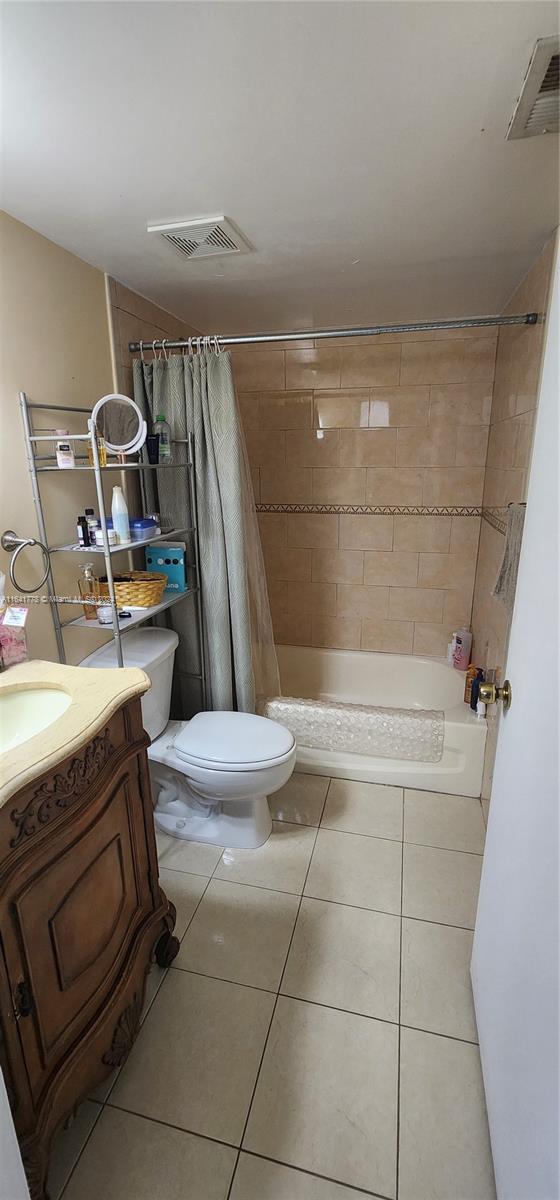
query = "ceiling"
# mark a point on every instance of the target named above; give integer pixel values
(360, 148)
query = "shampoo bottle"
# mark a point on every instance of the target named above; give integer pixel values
(119, 513)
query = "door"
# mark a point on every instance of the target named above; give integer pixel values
(515, 955)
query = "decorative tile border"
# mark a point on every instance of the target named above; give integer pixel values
(495, 518)
(387, 510)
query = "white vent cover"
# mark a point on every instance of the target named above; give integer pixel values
(538, 106)
(202, 238)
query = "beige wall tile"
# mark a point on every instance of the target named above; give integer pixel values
(312, 447)
(461, 361)
(415, 604)
(283, 562)
(501, 444)
(457, 608)
(248, 404)
(286, 410)
(342, 633)
(310, 598)
(273, 529)
(370, 366)
(315, 530)
(265, 449)
(339, 485)
(355, 600)
(461, 403)
(465, 533)
(278, 595)
(367, 532)
(446, 570)
(422, 533)
(401, 406)
(368, 447)
(504, 487)
(313, 368)
(256, 482)
(258, 371)
(524, 441)
(396, 567)
(392, 485)
(338, 566)
(342, 409)
(389, 637)
(472, 442)
(432, 640)
(453, 485)
(435, 445)
(286, 485)
(291, 629)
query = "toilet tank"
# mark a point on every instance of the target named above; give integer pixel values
(153, 650)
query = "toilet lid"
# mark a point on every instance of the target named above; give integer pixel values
(238, 741)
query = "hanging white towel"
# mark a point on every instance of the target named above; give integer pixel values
(504, 588)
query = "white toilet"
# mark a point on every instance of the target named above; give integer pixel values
(211, 776)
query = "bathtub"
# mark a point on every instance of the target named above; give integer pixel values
(394, 681)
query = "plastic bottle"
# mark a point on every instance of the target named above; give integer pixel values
(119, 513)
(165, 451)
(64, 451)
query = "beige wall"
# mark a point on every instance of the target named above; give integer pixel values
(365, 455)
(55, 347)
(518, 366)
(135, 319)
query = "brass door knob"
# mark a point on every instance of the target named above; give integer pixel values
(490, 693)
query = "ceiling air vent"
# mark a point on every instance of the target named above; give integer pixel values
(202, 238)
(537, 109)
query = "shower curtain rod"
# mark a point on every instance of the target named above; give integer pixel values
(365, 331)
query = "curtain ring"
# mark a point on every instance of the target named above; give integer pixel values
(154, 352)
(165, 355)
(142, 351)
(217, 346)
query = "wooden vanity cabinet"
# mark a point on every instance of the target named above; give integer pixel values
(82, 916)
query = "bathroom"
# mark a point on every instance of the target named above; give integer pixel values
(244, 951)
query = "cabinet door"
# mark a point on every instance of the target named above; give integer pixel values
(75, 918)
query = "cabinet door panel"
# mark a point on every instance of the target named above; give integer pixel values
(76, 915)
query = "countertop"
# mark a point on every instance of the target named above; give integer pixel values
(95, 695)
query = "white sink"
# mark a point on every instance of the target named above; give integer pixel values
(26, 711)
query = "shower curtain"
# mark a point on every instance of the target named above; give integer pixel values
(196, 394)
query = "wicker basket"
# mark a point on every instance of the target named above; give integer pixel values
(139, 589)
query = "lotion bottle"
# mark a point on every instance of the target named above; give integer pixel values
(119, 513)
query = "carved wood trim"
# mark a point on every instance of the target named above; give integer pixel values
(124, 1033)
(60, 792)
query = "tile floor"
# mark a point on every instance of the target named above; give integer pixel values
(315, 1037)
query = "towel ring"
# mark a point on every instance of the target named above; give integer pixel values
(14, 545)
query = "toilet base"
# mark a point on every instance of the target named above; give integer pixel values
(241, 824)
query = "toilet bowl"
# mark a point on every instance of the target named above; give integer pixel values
(211, 776)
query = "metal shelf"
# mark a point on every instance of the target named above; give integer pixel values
(75, 548)
(139, 615)
(123, 467)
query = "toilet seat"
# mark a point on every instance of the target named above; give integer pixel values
(233, 741)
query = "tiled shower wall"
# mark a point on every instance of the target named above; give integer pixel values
(368, 460)
(136, 319)
(518, 365)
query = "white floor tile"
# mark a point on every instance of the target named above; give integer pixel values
(370, 808)
(444, 1144)
(353, 869)
(259, 1179)
(450, 822)
(326, 1099)
(240, 933)
(197, 1055)
(281, 864)
(345, 957)
(68, 1145)
(436, 986)
(300, 800)
(176, 854)
(184, 891)
(129, 1158)
(440, 885)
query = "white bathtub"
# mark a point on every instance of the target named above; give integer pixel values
(394, 681)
